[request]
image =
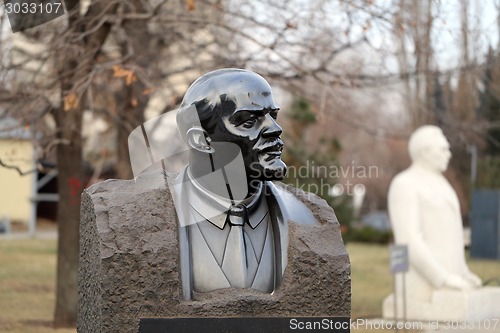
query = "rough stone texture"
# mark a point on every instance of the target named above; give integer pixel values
(129, 263)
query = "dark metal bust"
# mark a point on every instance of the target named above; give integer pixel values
(233, 220)
(220, 221)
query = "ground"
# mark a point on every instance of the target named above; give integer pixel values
(372, 280)
(27, 286)
(27, 283)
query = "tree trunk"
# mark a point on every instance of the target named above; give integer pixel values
(131, 100)
(130, 115)
(70, 185)
(68, 120)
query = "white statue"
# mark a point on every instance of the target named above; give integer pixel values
(425, 215)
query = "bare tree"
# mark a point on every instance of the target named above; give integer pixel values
(53, 86)
(413, 26)
(145, 45)
(116, 58)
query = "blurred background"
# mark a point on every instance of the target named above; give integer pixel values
(353, 79)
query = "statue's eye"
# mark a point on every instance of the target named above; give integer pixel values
(274, 114)
(249, 123)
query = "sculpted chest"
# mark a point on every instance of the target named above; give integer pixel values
(436, 195)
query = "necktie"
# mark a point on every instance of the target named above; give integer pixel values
(235, 261)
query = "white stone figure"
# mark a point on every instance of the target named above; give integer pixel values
(425, 215)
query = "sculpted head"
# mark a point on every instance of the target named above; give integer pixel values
(237, 106)
(429, 148)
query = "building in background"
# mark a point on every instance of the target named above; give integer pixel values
(16, 151)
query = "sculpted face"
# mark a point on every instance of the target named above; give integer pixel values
(252, 126)
(437, 154)
(237, 106)
(258, 135)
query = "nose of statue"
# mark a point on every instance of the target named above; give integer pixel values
(272, 129)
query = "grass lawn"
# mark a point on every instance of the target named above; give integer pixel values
(27, 286)
(372, 280)
(27, 283)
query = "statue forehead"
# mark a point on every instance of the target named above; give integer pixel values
(425, 138)
(248, 90)
(431, 136)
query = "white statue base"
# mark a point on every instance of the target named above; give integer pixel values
(446, 305)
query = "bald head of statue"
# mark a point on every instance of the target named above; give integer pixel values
(234, 106)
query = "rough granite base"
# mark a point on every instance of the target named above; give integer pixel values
(129, 263)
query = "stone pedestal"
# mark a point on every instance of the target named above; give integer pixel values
(447, 305)
(129, 263)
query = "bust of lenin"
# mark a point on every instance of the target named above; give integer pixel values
(233, 219)
(219, 239)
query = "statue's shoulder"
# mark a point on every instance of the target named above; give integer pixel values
(408, 182)
(300, 206)
(407, 177)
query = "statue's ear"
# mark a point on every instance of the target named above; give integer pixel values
(198, 139)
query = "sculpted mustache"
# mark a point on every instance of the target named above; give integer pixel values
(274, 145)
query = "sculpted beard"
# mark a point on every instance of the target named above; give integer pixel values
(263, 170)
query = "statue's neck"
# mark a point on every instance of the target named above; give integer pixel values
(217, 180)
(427, 169)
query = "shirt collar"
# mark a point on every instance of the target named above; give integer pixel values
(213, 208)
